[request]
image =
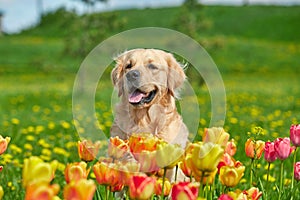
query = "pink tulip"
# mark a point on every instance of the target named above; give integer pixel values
(270, 153)
(297, 171)
(295, 134)
(283, 148)
(225, 197)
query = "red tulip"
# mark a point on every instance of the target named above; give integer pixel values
(295, 135)
(225, 197)
(283, 148)
(141, 187)
(297, 171)
(270, 153)
(184, 191)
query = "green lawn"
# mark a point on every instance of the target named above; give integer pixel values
(257, 52)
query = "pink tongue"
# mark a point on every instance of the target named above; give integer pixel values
(136, 97)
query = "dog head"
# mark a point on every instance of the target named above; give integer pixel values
(144, 76)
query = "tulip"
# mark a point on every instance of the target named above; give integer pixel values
(117, 148)
(297, 171)
(168, 155)
(1, 192)
(44, 191)
(87, 150)
(158, 187)
(3, 144)
(142, 141)
(231, 176)
(226, 160)
(106, 173)
(270, 153)
(230, 147)
(141, 187)
(35, 171)
(80, 190)
(254, 148)
(225, 197)
(147, 161)
(216, 135)
(204, 157)
(184, 191)
(117, 188)
(205, 178)
(283, 148)
(76, 171)
(126, 170)
(253, 193)
(295, 135)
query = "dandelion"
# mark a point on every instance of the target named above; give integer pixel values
(15, 121)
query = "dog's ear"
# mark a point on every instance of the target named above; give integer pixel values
(176, 75)
(116, 75)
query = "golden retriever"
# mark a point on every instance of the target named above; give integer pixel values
(147, 81)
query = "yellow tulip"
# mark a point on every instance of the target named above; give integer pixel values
(1, 192)
(230, 176)
(216, 135)
(204, 157)
(80, 190)
(117, 148)
(168, 155)
(35, 171)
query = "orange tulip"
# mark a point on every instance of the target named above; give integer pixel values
(142, 141)
(184, 191)
(80, 190)
(3, 144)
(35, 171)
(230, 176)
(216, 135)
(254, 149)
(87, 150)
(41, 191)
(141, 187)
(158, 187)
(106, 173)
(76, 171)
(117, 148)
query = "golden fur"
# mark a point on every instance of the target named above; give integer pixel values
(155, 72)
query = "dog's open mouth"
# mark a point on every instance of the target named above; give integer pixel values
(138, 97)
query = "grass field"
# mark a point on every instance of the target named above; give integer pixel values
(258, 55)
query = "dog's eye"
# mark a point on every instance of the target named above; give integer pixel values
(128, 66)
(151, 66)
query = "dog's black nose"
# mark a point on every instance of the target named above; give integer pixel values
(133, 75)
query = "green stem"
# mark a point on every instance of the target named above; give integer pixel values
(293, 178)
(281, 180)
(251, 172)
(162, 195)
(268, 174)
(200, 185)
(176, 171)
